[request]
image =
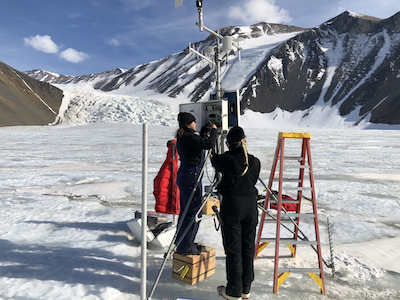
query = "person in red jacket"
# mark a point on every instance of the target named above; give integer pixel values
(190, 148)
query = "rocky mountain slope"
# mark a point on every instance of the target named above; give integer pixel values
(174, 75)
(350, 64)
(351, 61)
(26, 101)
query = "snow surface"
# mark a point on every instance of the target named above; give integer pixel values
(68, 191)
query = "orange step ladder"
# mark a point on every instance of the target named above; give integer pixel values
(283, 216)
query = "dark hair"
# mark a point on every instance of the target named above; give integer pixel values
(179, 133)
(184, 119)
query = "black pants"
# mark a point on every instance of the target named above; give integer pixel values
(238, 233)
(186, 180)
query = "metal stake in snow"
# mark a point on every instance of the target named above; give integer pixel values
(143, 277)
(331, 247)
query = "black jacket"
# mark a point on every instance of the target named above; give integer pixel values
(231, 165)
(191, 145)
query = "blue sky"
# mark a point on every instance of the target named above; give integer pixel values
(81, 37)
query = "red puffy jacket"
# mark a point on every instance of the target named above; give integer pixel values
(287, 206)
(166, 191)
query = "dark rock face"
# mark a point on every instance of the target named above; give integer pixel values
(26, 101)
(351, 61)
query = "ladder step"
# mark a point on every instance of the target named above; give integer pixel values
(296, 167)
(295, 215)
(296, 135)
(290, 241)
(299, 270)
(288, 180)
(273, 201)
(296, 188)
(284, 217)
(274, 221)
(293, 158)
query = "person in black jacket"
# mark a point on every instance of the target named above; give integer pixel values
(240, 172)
(190, 148)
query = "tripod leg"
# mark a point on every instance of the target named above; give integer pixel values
(172, 246)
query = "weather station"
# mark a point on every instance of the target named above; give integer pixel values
(223, 107)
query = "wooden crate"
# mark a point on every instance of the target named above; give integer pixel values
(207, 208)
(200, 266)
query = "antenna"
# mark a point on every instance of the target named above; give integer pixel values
(199, 4)
(227, 44)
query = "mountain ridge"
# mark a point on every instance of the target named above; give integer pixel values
(350, 63)
(350, 70)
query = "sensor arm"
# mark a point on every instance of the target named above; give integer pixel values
(201, 55)
(210, 31)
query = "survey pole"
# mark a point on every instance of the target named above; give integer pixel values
(143, 273)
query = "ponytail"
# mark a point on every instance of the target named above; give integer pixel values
(179, 133)
(243, 144)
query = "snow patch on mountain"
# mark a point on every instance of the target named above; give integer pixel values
(276, 65)
(254, 52)
(322, 117)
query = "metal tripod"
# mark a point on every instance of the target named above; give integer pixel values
(195, 219)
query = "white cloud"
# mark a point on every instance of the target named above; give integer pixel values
(114, 42)
(73, 56)
(253, 11)
(42, 43)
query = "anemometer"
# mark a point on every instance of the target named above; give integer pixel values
(223, 107)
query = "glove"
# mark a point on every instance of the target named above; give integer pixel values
(204, 131)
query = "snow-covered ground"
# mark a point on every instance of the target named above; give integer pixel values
(67, 192)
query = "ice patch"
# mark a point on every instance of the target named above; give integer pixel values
(81, 190)
(95, 107)
(374, 176)
(349, 267)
